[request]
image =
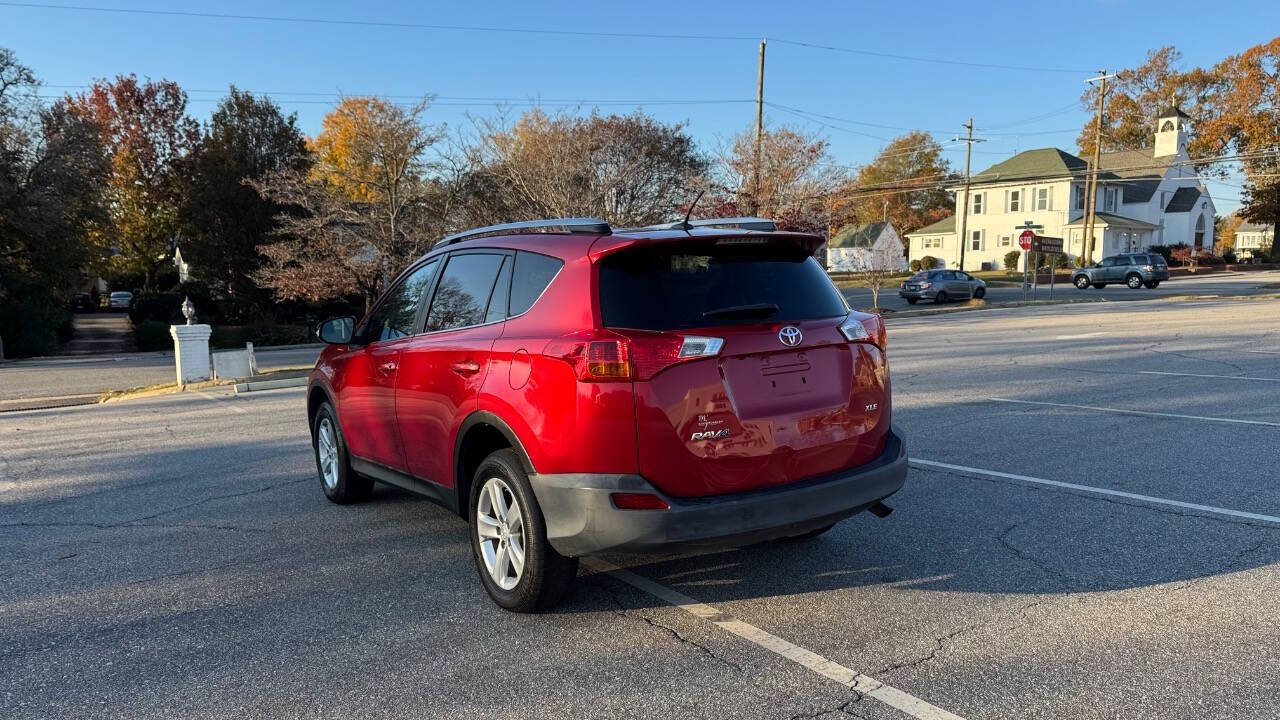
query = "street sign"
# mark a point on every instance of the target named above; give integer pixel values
(1046, 245)
(1024, 240)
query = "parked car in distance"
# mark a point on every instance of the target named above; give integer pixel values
(1133, 269)
(82, 302)
(941, 286)
(570, 389)
(120, 300)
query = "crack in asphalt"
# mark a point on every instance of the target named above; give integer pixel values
(938, 643)
(112, 526)
(1062, 577)
(626, 612)
(841, 708)
(1178, 336)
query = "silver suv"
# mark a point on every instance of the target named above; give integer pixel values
(1135, 270)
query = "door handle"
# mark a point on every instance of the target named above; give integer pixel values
(466, 367)
(388, 368)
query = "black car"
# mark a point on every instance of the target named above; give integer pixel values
(82, 302)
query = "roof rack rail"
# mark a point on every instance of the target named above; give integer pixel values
(743, 223)
(591, 226)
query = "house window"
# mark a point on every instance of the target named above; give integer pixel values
(1163, 199)
(975, 241)
(977, 204)
(1078, 193)
(1006, 241)
(1015, 198)
(1110, 201)
(1044, 199)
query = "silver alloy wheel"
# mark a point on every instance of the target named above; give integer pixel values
(500, 527)
(327, 447)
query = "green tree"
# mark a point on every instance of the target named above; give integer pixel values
(52, 170)
(146, 135)
(222, 219)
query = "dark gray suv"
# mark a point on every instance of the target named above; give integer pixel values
(1135, 270)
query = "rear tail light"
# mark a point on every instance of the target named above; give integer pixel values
(638, 501)
(864, 328)
(608, 357)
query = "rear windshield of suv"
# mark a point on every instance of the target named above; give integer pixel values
(683, 286)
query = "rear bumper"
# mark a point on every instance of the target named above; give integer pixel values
(582, 520)
(917, 294)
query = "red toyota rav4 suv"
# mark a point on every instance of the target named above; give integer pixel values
(571, 389)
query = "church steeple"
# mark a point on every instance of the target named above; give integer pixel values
(1172, 128)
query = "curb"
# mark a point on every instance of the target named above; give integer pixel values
(42, 403)
(307, 346)
(258, 385)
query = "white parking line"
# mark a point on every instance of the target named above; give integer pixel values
(1265, 352)
(1137, 412)
(864, 684)
(933, 464)
(222, 401)
(1081, 336)
(1223, 377)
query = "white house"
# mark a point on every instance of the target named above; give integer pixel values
(873, 246)
(1145, 197)
(1251, 238)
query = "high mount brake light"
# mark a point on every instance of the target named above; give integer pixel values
(609, 357)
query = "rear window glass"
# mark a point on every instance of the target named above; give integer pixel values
(532, 274)
(673, 287)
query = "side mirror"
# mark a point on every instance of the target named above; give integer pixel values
(337, 331)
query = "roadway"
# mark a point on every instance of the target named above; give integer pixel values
(1091, 529)
(1221, 284)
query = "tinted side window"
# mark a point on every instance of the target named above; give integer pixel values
(463, 294)
(532, 274)
(395, 315)
(501, 291)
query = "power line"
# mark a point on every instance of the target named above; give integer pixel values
(916, 58)
(524, 31)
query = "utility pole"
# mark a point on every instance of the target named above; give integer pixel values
(969, 140)
(1091, 183)
(755, 189)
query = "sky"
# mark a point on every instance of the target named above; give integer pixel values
(707, 83)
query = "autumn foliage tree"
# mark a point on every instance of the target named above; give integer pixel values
(147, 135)
(904, 184)
(796, 178)
(362, 212)
(626, 169)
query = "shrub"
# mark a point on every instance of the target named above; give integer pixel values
(928, 262)
(1011, 259)
(1208, 258)
(156, 307)
(914, 266)
(32, 318)
(260, 334)
(1229, 256)
(152, 335)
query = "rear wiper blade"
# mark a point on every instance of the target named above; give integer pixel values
(759, 310)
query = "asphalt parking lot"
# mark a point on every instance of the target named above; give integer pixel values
(1090, 529)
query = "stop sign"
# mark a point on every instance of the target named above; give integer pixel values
(1024, 240)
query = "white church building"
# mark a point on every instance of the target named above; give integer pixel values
(1145, 197)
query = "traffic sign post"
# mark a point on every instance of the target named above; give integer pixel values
(1051, 246)
(1024, 242)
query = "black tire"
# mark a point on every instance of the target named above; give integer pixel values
(1133, 280)
(1081, 282)
(809, 535)
(979, 293)
(940, 298)
(912, 301)
(348, 485)
(547, 575)
(1152, 285)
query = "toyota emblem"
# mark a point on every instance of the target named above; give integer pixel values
(790, 336)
